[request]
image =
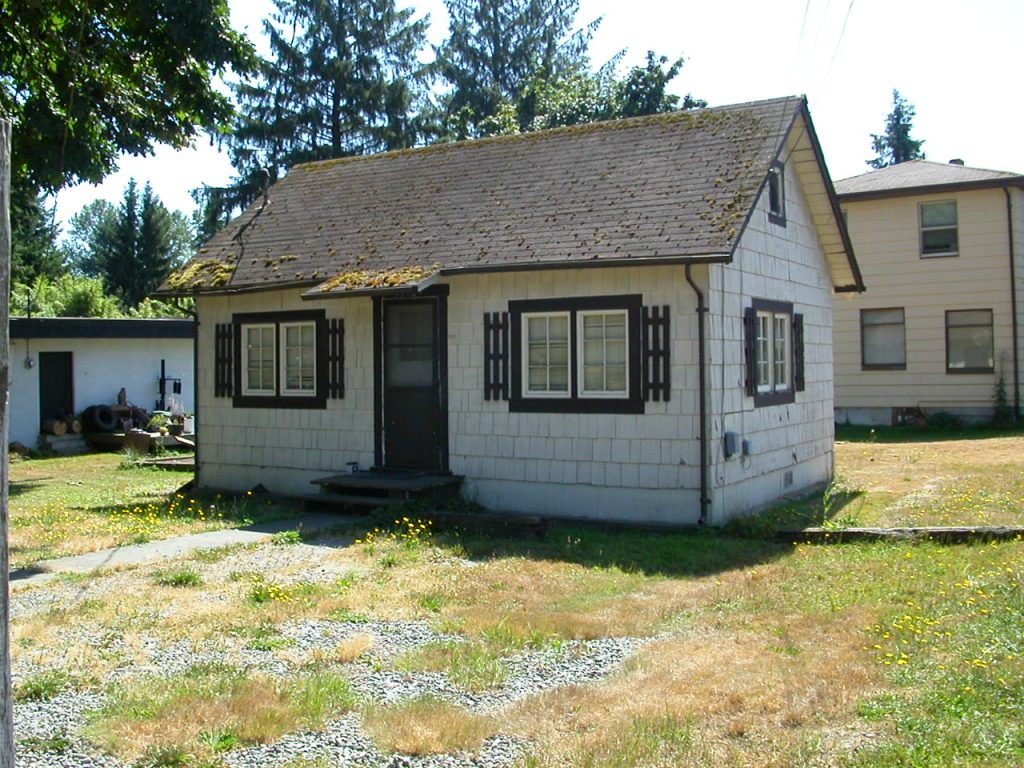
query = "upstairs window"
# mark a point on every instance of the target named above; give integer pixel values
(938, 229)
(777, 194)
(883, 339)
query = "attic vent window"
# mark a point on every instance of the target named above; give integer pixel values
(777, 194)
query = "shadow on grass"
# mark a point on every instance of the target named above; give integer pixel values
(24, 486)
(916, 434)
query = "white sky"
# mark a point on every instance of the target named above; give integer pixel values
(957, 62)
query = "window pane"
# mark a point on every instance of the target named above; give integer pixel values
(299, 355)
(259, 355)
(938, 214)
(883, 337)
(938, 241)
(969, 338)
(970, 317)
(884, 345)
(547, 354)
(764, 375)
(615, 378)
(882, 316)
(604, 348)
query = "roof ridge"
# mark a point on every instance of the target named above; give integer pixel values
(672, 116)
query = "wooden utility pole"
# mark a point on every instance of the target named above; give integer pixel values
(6, 705)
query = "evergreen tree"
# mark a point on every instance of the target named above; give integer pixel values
(496, 48)
(343, 78)
(34, 250)
(895, 145)
(132, 247)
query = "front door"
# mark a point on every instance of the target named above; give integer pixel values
(413, 432)
(56, 396)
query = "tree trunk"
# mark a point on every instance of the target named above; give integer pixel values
(6, 713)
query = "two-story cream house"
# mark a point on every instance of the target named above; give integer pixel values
(941, 248)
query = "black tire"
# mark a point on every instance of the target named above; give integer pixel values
(99, 418)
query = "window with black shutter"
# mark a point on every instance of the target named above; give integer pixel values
(773, 347)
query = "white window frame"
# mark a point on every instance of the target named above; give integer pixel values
(580, 362)
(955, 227)
(246, 389)
(283, 362)
(768, 364)
(525, 357)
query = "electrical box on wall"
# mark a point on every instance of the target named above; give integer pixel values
(748, 448)
(729, 442)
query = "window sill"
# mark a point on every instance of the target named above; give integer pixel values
(774, 398)
(317, 402)
(957, 371)
(883, 367)
(943, 255)
(577, 405)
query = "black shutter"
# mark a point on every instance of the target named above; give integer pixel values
(656, 344)
(750, 350)
(335, 358)
(223, 368)
(496, 355)
(798, 353)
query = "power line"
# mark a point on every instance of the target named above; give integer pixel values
(839, 41)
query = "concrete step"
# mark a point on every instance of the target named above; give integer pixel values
(64, 445)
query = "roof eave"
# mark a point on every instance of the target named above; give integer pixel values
(927, 189)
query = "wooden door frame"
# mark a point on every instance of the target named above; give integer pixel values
(438, 294)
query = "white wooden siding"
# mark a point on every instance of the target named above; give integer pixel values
(782, 264)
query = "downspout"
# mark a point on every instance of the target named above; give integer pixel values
(702, 310)
(1013, 305)
(194, 314)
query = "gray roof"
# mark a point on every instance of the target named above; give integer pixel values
(680, 185)
(918, 174)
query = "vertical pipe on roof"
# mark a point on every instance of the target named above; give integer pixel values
(702, 310)
(1013, 305)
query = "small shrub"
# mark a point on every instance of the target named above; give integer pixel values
(943, 420)
(57, 742)
(42, 686)
(178, 577)
(286, 538)
(219, 740)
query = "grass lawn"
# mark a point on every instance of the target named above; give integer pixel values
(69, 505)
(756, 653)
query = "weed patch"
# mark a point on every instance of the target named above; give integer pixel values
(426, 726)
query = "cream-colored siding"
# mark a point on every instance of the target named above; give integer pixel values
(885, 234)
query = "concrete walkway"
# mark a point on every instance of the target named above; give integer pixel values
(165, 549)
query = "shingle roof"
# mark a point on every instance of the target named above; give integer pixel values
(679, 185)
(915, 174)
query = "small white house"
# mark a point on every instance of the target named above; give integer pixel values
(62, 365)
(624, 321)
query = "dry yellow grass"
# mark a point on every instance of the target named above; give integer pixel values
(426, 726)
(348, 650)
(745, 703)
